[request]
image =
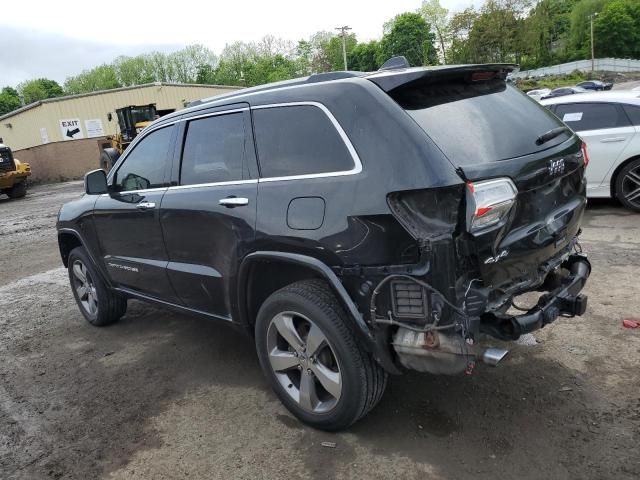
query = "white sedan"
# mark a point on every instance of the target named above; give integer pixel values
(609, 123)
(538, 93)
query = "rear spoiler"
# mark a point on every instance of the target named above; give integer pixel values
(392, 78)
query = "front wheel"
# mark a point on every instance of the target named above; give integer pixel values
(98, 304)
(313, 360)
(628, 185)
(19, 190)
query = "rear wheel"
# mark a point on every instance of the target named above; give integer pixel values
(98, 304)
(312, 360)
(19, 190)
(628, 185)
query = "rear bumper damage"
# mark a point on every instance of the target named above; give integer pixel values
(453, 343)
(564, 300)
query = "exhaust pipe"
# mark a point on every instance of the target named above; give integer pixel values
(493, 356)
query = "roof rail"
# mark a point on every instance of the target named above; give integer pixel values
(395, 63)
(327, 76)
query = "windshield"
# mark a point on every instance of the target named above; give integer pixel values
(142, 114)
(478, 122)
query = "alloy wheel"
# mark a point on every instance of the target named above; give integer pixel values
(304, 362)
(85, 288)
(631, 186)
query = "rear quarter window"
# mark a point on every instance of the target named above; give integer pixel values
(477, 122)
(633, 112)
(298, 140)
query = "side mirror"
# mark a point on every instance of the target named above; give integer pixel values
(95, 182)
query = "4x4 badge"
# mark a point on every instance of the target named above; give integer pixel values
(497, 258)
(556, 167)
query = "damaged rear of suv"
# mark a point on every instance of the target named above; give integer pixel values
(354, 224)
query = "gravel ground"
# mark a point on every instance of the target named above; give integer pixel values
(162, 395)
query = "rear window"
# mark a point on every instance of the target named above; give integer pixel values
(478, 122)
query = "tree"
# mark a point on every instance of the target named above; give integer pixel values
(409, 35)
(39, 89)
(103, 77)
(459, 29)
(9, 100)
(579, 32)
(364, 56)
(436, 16)
(134, 70)
(617, 29)
(185, 63)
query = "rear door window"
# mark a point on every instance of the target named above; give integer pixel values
(592, 116)
(298, 140)
(213, 150)
(477, 122)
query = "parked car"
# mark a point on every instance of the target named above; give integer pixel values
(539, 93)
(595, 85)
(562, 91)
(353, 224)
(609, 122)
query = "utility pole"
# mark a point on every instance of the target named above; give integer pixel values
(343, 34)
(593, 62)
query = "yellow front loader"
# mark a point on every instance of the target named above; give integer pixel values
(131, 121)
(13, 174)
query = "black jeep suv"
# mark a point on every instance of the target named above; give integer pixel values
(354, 224)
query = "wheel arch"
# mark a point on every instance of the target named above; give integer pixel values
(67, 241)
(290, 267)
(616, 172)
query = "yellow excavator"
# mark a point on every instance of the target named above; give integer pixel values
(131, 121)
(13, 174)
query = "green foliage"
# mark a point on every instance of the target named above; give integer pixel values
(437, 16)
(9, 100)
(409, 35)
(39, 89)
(619, 24)
(103, 77)
(579, 32)
(364, 57)
(183, 66)
(554, 82)
(533, 33)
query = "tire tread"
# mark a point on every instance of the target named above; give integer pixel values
(374, 376)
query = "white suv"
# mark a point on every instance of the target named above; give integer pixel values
(609, 123)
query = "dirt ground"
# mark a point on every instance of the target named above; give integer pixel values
(162, 395)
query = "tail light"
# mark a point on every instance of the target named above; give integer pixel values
(585, 154)
(489, 202)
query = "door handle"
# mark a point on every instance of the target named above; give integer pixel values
(231, 202)
(146, 205)
(612, 140)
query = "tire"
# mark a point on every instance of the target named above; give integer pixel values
(355, 381)
(627, 186)
(108, 158)
(19, 190)
(99, 305)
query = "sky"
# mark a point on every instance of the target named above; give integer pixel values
(41, 38)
